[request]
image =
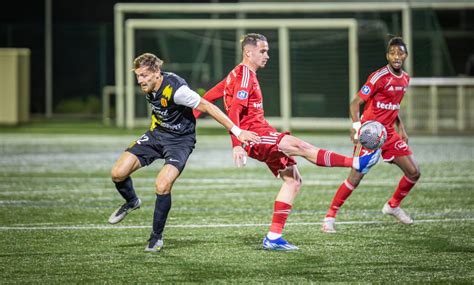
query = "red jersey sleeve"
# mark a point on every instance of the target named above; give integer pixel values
(212, 95)
(240, 98)
(234, 115)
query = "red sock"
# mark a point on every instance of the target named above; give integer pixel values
(280, 214)
(332, 159)
(404, 187)
(344, 191)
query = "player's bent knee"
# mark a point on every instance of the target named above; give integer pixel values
(355, 181)
(294, 184)
(415, 175)
(118, 175)
(162, 188)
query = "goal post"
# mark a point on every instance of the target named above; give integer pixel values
(283, 26)
(124, 11)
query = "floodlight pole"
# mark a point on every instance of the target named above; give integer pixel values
(119, 68)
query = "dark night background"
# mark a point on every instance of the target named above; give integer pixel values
(83, 47)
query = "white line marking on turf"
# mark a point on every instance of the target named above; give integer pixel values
(109, 227)
(216, 186)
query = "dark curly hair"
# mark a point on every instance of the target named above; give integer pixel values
(397, 41)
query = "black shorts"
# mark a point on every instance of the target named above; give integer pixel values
(174, 149)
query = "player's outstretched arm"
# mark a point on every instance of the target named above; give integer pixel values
(212, 95)
(216, 113)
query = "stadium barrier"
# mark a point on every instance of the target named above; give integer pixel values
(14, 85)
(437, 104)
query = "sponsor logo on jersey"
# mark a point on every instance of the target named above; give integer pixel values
(242, 95)
(401, 145)
(158, 111)
(396, 88)
(365, 90)
(388, 106)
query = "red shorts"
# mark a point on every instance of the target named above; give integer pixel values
(393, 147)
(268, 151)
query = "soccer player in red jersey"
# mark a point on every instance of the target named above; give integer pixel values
(244, 106)
(382, 95)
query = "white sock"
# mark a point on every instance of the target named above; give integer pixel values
(273, 236)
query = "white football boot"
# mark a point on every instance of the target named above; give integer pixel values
(328, 225)
(398, 213)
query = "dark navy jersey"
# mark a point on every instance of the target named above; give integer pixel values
(172, 106)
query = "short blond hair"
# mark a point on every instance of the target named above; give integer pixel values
(148, 60)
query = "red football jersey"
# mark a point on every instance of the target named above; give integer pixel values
(243, 100)
(241, 87)
(383, 92)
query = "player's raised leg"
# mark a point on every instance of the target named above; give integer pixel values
(293, 146)
(121, 171)
(412, 173)
(163, 185)
(282, 208)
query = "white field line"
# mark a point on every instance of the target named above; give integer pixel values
(109, 227)
(233, 180)
(217, 186)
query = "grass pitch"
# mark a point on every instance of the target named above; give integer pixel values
(56, 196)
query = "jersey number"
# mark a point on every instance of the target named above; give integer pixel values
(143, 139)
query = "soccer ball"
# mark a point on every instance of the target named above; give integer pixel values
(372, 135)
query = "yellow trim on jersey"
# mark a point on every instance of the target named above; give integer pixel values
(154, 122)
(167, 92)
(132, 144)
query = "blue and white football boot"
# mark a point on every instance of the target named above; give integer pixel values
(278, 244)
(365, 162)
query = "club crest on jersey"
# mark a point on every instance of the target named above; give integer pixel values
(365, 90)
(242, 95)
(164, 102)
